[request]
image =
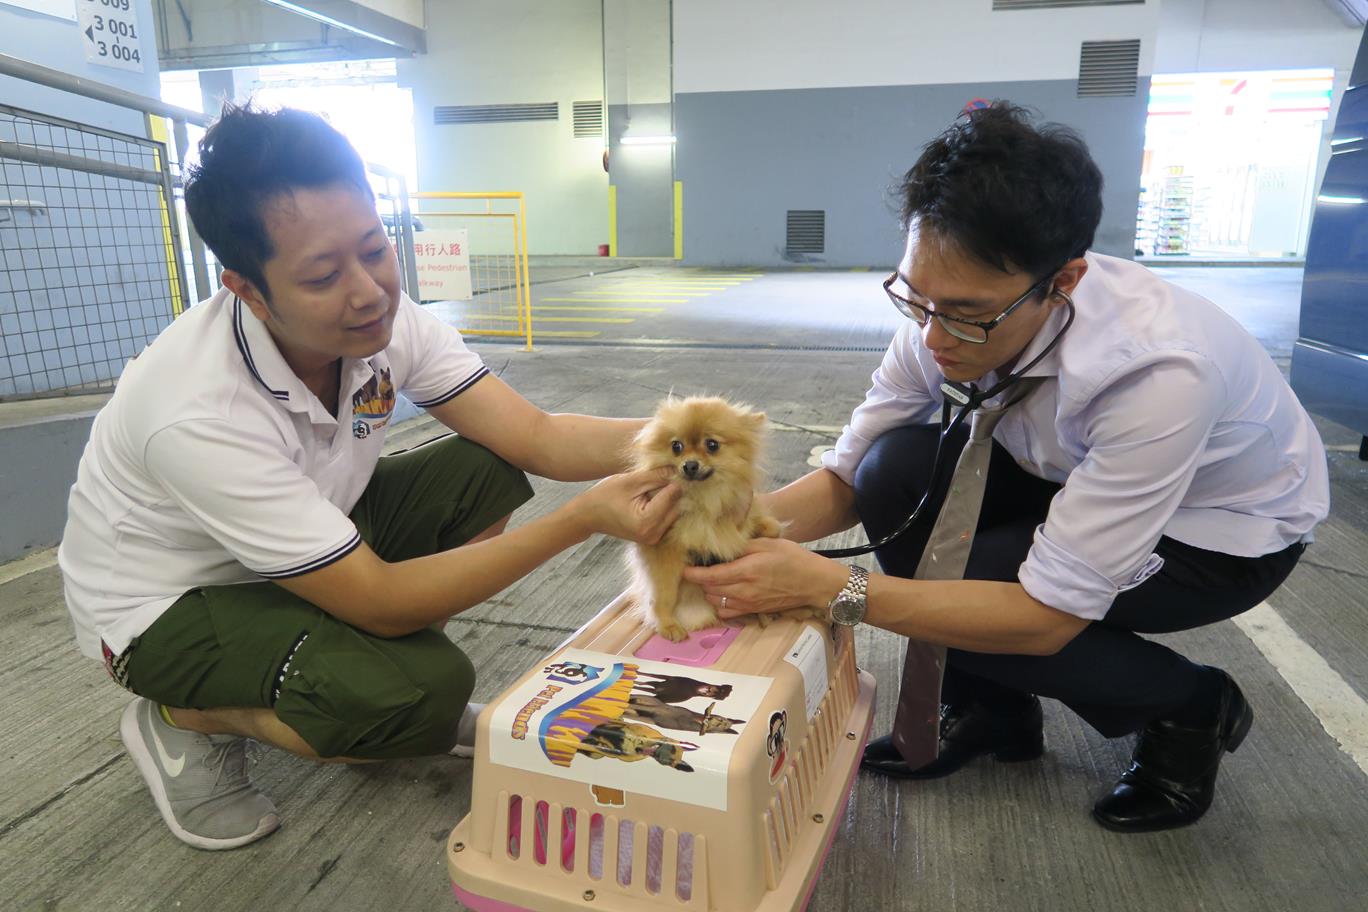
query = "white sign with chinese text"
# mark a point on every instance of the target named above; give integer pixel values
(61, 9)
(443, 265)
(111, 33)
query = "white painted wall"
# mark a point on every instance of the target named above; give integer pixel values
(1211, 36)
(1218, 35)
(410, 11)
(636, 69)
(724, 46)
(500, 51)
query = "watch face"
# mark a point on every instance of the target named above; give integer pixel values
(848, 611)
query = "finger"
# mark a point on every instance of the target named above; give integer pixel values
(735, 607)
(659, 506)
(715, 576)
(645, 480)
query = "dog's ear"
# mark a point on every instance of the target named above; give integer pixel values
(756, 420)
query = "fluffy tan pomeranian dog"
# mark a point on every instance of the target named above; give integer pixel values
(715, 448)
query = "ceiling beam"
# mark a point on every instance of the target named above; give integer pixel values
(356, 17)
(1353, 12)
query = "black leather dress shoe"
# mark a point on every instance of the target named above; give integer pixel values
(1172, 776)
(966, 731)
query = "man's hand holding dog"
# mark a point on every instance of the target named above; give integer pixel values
(636, 506)
(773, 575)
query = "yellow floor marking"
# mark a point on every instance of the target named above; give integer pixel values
(643, 310)
(592, 300)
(540, 320)
(644, 291)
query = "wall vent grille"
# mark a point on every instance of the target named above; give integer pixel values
(501, 113)
(1108, 68)
(588, 119)
(806, 231)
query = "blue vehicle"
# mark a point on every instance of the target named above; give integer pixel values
(1330, 358)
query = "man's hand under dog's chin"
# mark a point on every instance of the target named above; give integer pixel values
(773, 575)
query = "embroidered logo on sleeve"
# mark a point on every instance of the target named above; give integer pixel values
(373, 404)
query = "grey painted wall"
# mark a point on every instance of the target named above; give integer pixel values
(644, 178)
(37, 468)
(745, 158)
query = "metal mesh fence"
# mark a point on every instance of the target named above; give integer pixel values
(494, 229)
(89, 253)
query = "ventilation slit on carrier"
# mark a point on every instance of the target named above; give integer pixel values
(568, 839)
(684, 867)
(626, 836)
(655, 855)
(514, 826)
(596, 846)
(541, 822)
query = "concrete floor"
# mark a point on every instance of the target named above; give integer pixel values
(78, 831)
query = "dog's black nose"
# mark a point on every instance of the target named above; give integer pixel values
(690, 468)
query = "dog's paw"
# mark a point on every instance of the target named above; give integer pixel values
(768, 527)
(675, 633)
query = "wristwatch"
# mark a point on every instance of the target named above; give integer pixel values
(848, 607)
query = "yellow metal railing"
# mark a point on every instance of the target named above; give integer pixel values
(498, 259)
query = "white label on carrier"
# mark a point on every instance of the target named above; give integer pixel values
(648, 728)
(808, 655)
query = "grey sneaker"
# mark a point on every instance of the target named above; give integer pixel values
(199, 782)
(465, 731)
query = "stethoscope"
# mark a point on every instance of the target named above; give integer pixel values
(969, 398)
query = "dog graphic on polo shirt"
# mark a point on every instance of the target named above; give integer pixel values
(373, 404)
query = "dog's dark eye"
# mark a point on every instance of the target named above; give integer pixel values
(676, 447)
(711, 445)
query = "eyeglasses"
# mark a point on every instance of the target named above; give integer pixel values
(967, 330)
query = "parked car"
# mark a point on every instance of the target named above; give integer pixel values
(1330, 358)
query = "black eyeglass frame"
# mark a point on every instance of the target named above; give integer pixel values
(921, 315)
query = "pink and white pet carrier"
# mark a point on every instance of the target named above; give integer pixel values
(626, 772)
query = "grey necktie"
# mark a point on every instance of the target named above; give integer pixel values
(916, 728)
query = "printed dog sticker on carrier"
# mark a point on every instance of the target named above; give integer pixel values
(626, 723)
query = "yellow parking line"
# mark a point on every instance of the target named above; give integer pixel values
(643, 291)
(644, 310)
(588, 300)
(541, 320)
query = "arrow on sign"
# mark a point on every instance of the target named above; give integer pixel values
(90, 32)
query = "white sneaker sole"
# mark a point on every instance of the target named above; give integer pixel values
(147, 767)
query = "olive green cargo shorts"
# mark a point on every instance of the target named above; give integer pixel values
(343, 691)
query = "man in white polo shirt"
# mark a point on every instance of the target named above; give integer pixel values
(1162, 476)
(236, 550)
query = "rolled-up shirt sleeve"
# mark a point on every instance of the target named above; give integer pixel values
(1145, 434)
(900, 393)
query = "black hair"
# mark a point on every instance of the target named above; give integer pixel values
(248, 158)
(1012, 195)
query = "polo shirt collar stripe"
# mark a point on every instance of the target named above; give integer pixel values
(240, 336)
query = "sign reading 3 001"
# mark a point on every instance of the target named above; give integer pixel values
(111, 34)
